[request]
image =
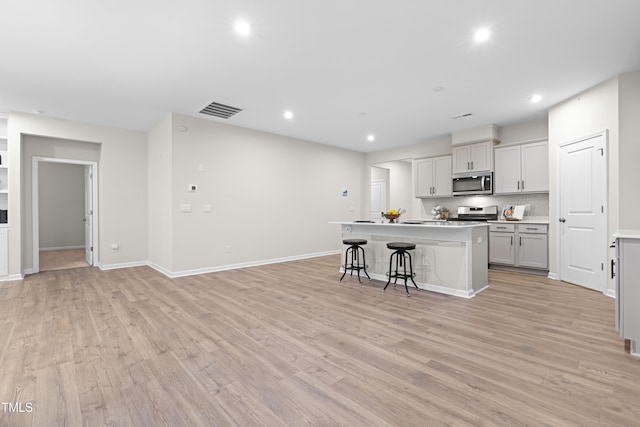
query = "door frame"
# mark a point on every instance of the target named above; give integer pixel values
(35, 202)
(558, 241)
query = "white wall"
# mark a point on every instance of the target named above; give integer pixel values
(122, 174)
(160, 196)
(272, 197)
(589, 112)
(629, 151)
(533, 130)
(61, 205)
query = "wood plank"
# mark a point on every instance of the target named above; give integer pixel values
(286, 344)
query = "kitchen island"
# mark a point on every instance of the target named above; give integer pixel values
(450, 257)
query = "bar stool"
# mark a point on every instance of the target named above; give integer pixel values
(401, 253)
(354, 249)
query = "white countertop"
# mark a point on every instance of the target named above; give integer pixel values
(430, 223)
(523, 221)
(627, 234)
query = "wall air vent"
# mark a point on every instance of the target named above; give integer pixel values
(219, 110)
(462, 116)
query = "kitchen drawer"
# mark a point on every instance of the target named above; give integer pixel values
(502, 227)
(532, 228)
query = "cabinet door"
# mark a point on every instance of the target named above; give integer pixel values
(461, 159)
(424, 177)
(442, 182)
(535, 167)
(501, 248)
(506, 178)
(629, 250)
(532, 251)
(4, 251)
(480, 156)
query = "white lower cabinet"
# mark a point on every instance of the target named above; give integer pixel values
(4, 251)
(628, 291)
(519, 245)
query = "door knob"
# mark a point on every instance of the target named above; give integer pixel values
(562, 220)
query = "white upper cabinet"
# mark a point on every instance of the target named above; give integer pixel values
(472, 158)
(433, 177)
(522, 169)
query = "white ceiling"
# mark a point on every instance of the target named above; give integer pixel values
(346, 68)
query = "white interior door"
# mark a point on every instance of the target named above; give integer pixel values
(583, 213)
(378, 198)
(88, 214)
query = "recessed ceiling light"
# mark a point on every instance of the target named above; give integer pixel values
(482, 35)
(288, 115)
(242, 27)
(371, 138)
(536, 98)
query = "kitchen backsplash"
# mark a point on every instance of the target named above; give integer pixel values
(539, 203)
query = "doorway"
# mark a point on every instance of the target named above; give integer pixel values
(582, 167)
(64, 213)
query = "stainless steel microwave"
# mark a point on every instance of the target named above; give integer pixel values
(470, 184)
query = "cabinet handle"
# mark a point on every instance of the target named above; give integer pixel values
(468, 165)
(511, 240)
(471, 164)
(520, 241)
(502, 228)
(518, 184)
(532, 228)
(523, 184)
(613, 266)
(562, 219)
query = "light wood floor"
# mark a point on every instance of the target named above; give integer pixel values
(286, 344)
(62, 259)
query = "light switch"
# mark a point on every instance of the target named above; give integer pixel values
(185, 208)
(207, 208)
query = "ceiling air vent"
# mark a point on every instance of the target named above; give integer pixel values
(219, 110)
(462, 116)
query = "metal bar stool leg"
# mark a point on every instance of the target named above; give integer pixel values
(364, 263)
(404, 276)
(390, 272)
(346, 255)
(357, 257)
(411, 269)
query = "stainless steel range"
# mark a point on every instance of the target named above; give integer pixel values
(473, 213)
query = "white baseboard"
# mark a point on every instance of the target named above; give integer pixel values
(183, 273)
(611, 293)
(123, 265)
(61, 248)
(11, 277)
